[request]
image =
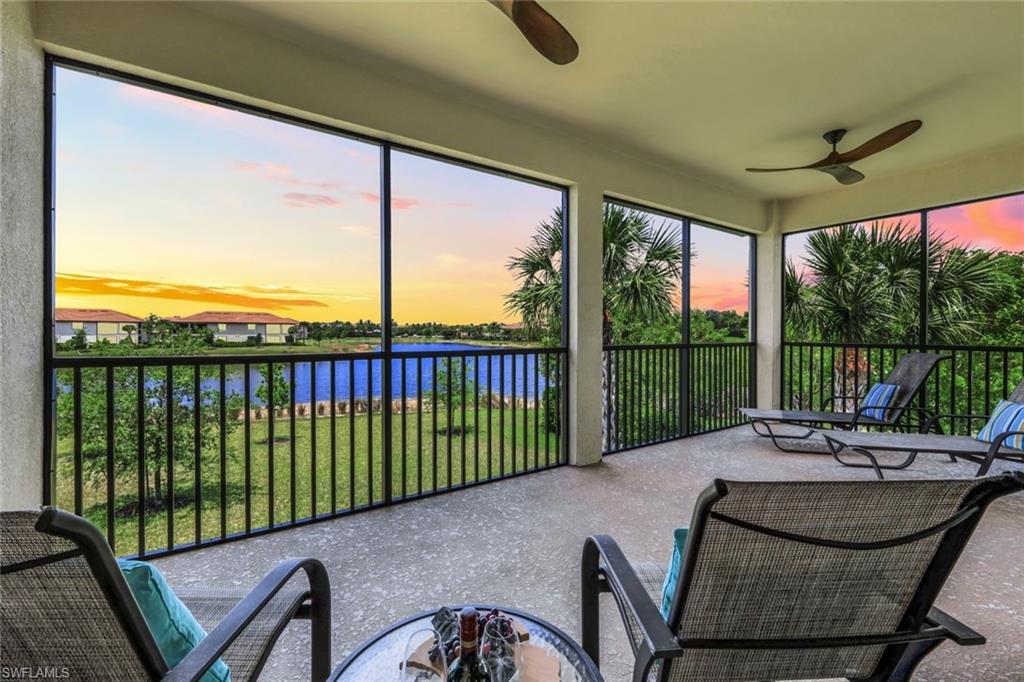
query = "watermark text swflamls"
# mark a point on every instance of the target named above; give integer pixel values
(47, 672)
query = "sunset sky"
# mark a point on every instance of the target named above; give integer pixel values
(170, 206)
(718, 271)
(996, 224)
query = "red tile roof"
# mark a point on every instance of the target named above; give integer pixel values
(93, 315)
(230, 316)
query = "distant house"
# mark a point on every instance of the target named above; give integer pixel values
(236, 327)
(99, 324)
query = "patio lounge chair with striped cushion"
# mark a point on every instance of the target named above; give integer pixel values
(982, 453)
(797, 580)
(65, 606)
(910, 373)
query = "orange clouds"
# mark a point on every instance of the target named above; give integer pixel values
(997, 224)
(730, 297)
(263, 298)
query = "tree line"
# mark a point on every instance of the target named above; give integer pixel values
(861, 284)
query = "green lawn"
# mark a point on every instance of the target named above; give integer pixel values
(358, 471)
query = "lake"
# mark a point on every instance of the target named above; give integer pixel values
(494, 371)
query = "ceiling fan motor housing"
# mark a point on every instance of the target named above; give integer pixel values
(833, 137)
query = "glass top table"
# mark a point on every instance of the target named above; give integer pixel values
(378, 657)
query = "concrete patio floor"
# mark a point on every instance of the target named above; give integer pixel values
(518, 543)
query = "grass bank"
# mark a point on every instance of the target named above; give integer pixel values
(425, 458)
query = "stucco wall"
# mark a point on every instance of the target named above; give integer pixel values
(21, 259)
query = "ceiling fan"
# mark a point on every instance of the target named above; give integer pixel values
(540, 28)
(837, 164)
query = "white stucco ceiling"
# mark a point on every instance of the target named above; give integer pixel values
(709, 88)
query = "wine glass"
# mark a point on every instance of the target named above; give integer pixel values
(501, 651)
(417, 665)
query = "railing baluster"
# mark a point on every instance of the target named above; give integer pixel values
(351, 434)
(988, 382)
(334, 434)
(512, 418)
(313, 492)
(140, 464)
(419, 426)
(462, 423)
(501, 415)
(169, 424)
(369, 432)
(246, 381)
(197, 476)
(433, 410)
(547, 410)
(270, 445)
(537, 411)
(1006, 374)
(952, 390)
(618, 383)
(449, 415)
(563, 409)
(970, 382)
(405, 434)
(110, 456)
(77, 436)
(476, 417)
(490, 420)
(223, 442)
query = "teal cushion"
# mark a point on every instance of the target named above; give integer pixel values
(668, 588)
(1008, 416)
(173, 626)
(880, 397)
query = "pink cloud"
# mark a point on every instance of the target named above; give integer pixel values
(720, 296)
(403, 203)
(996, 224)
(303, 200)
(277, 172)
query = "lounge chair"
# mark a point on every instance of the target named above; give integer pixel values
(791, 581)
(964, 447)
(66, 607)
(910, 373)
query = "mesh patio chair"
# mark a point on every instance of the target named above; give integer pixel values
(805, 580)
(963, 447)
(65, 606)
(910, 373)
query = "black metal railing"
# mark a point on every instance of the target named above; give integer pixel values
(654, 393)
(171, 453)
(971, 381)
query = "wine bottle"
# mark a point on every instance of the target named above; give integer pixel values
(468, 667)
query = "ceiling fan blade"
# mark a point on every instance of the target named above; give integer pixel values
(827, 161)
(779, 170)
(844, 174)
(881, 142)
(541, 29)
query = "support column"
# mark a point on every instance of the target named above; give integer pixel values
(21, 260)
(769, 317)
(585, 306)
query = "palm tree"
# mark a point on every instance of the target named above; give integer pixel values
(642, 265)
(861, 285)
